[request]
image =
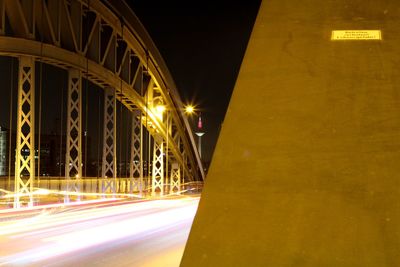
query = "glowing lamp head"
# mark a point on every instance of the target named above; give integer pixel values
(189, 109)
(160, 109)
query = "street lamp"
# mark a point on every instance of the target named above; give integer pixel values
(160, 110)
(189, 109)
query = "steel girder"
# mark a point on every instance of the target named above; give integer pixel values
(157, 184)
(136, 160)
(107, 40)
(109, 168)
(25, 145)
(73, 166)
(175, 177)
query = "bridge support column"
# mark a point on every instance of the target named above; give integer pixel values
(136, 163)
(158, 166)
(168, 179)
(109, 168)
(183, 167)
(175, 177)
(73, 166)
(25, 143)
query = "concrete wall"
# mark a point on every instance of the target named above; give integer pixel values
(307, 168)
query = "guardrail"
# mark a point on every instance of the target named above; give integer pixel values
(94, 185)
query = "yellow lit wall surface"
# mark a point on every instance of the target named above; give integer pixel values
(307, 168)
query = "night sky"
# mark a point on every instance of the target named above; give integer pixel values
(203, 44)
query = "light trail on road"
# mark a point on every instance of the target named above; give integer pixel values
(108, 233)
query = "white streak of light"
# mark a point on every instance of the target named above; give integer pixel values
(69, 231)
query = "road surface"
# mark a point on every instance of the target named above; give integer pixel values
(98, 233)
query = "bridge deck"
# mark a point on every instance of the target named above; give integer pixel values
(102, 233)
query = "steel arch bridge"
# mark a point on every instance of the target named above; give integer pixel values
(104, 42)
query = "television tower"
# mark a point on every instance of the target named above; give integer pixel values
(199, 133)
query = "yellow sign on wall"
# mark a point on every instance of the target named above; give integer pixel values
(356, 35)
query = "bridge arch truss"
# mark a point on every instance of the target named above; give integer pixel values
(104, 42)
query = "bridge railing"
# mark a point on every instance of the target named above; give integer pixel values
(94, 185)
